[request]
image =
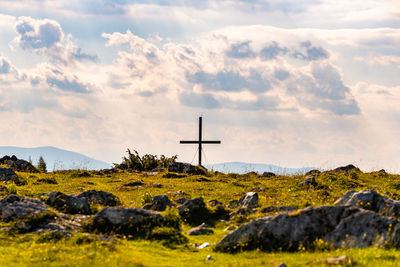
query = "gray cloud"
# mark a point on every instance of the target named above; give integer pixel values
(230, 81)
(240, 50)
(5, 66)
(272, 51)
(329, 83)
(199, 100)
(46, 37)
(281, 74)
(310, 52)
(71, 84)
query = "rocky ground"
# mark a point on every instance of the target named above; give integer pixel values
(358, 218)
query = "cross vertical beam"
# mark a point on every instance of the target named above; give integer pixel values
(200, 141)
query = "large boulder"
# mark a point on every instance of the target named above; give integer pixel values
(15, 207)
(67, 203)
(249, 201)
(7, 174)
(159, 203)
(341, 226)
(346, 168)
(182, 167)
(370, 200)
(194, 211)
(100, 197)
(126, 221)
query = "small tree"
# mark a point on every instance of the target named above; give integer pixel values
(42, 167)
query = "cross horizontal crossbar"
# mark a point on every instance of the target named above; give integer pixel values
(203, 142)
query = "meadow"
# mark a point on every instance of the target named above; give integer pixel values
(87, 249)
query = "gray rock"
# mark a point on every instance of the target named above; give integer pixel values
(160, 203)
(194, 211)
(7, 174)
(370, 200)
(15, 207)
(18, 164)
(182, 167)
(268, 174)
(282, 265)
(347, 168)
(278, 209)
(127, 221)
(249, 201)
(100, 197)
(68, 204)
(364, 229)
(285, 231)
(341, 226)
(202, 229)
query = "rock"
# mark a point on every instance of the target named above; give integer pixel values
(370, 200)
(7, 174)
(347, 168)
(209, 258)
(18, 164)
(268, 174)
(180, 200)
(202, 229)
(204, 245)
(68, 204)
(134, 183)
(194, 211)
(126, 221)
(341, 226)
(158, 170)
(282, 265)
(249, 201)
(284, 231)
(214, 203)
(160, 203)
(309, 181)
(313, 172)
(181, 167)
(203, 179)
(15, 207)
(100, 197)
(364, 229)
(173, 175)
(233, 204)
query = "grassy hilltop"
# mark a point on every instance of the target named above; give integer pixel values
(84, 249)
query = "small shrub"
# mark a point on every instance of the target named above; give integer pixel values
(145, 163)
(12, 189)
(172, 218)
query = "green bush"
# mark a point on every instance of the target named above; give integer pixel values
(145, 163)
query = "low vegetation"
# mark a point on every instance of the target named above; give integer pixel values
(169, 245)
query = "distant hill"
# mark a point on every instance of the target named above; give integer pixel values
(55, 158)
(243, 167)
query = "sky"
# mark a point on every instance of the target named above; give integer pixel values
(292, 83)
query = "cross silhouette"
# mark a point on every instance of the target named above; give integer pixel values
(200, 141)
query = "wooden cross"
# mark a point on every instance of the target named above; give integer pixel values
(200, 141)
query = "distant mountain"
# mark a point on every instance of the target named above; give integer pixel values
(242, 167)
(55, 158)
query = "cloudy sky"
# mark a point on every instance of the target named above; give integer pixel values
(293, 83)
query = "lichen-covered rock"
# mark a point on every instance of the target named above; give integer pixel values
(100, 197)
(15, 207)
(341, 226)
(7, 174)
(126, 221)
(249, 201)
(346, 168)
(18, 164)
(194, 211)
(66, 203)
(159, 203)
(202, 229)
(370, 200)
(181, 167)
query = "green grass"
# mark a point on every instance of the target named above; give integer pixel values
(88, 250)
